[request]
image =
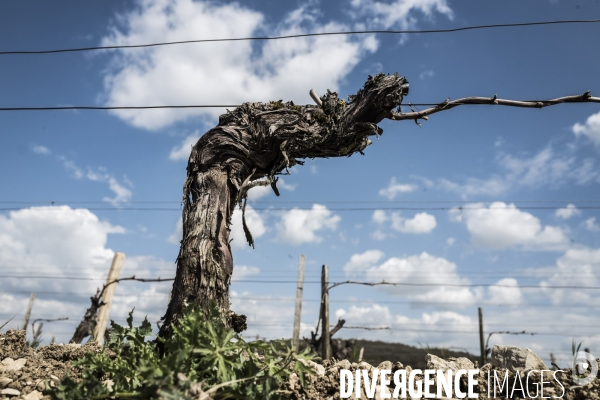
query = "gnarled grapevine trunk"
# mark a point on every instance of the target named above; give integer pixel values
(250, 146)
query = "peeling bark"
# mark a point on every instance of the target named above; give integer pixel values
(250, 146)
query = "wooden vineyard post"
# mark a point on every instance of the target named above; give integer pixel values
(325, 338)
(481, 345)
(104, 312)
(298, 311)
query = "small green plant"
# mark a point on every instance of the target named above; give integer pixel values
(277, 104)
(355, 355)
(202, 360)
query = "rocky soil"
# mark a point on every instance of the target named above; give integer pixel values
(25, 372)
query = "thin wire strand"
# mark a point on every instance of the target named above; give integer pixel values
(262, 38)
(51, 202)
(395, 116)
(473, 324)
(459, 208)
(347, 301)
(319, 282)
(113, 107)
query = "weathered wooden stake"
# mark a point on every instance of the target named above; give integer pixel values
(104, 312)
(298, 312)
(28, 312)
(325, 337)
(361, 353)
(481, 345)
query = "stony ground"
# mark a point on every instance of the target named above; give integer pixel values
(25, 372)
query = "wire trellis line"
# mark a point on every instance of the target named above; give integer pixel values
(451, 208)
(367, 328)
(178, 201)
(348, 301)
(303, 35)
(114, 107)
(396, 116)
(349, 282)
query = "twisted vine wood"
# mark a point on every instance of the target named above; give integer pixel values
(251, 146)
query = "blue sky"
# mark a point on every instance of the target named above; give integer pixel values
(72, 180)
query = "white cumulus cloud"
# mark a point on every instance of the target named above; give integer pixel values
(502, 225)
(301, 226)
(592, 225)
(224, 72)
(591, 128)
(122, 194)
(434, 274)
(545, 168)
(379, 216)
(420, 223)
(394, 188)
(362, 261)
(577, 267)
(378, 235)
(258, 192)
(255, 223)
(182, 152)
(567, 212)
(505, 291)
(399, 13)
(240, 272)
(57, 242)
(269, 317)
(435, 328)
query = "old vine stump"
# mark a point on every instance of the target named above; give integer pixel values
(250, 146)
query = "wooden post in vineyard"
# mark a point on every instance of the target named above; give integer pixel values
(325, 337)
(481, 345)
(104, 312)
(298, 312)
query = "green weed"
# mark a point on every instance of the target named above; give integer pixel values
(202, 360)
